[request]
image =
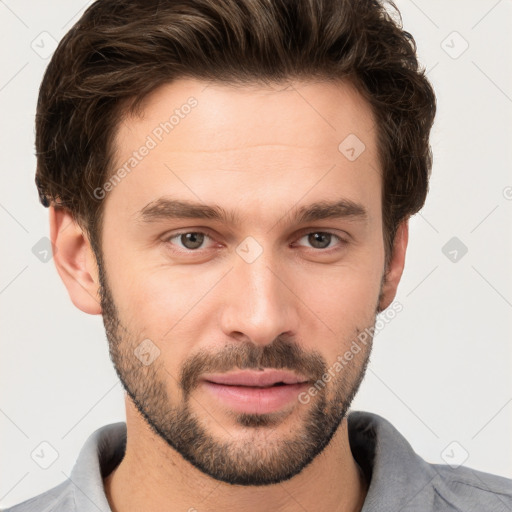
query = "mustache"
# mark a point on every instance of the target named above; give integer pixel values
(280, 354)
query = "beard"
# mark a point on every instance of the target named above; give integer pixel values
(263, 455)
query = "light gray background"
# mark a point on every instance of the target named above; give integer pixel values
(440, 371)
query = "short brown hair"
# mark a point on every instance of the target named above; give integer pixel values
(121, 50)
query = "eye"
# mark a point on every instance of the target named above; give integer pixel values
(189, 240)
(322, 239)
(195, 241)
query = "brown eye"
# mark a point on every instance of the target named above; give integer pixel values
(189, 240)
(321, 240)
(192, 240)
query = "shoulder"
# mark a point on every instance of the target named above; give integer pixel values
(58, 499)
(470, 489)
(400, 479)
(83, 490)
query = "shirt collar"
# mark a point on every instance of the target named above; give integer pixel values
(101, 453)
(397, 474)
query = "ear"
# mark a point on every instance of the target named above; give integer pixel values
(395, 267)
(75, 261)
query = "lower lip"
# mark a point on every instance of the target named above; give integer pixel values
(255, 400)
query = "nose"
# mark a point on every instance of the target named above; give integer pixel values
(260, 304)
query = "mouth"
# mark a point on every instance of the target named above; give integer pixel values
(255, 378)
(256, 392)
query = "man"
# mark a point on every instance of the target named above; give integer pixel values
(229, 185)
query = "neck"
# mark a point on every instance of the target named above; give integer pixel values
(153, 476)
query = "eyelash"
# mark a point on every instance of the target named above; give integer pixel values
(341, 241)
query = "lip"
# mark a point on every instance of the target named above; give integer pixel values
(256, 378)
(254, 392)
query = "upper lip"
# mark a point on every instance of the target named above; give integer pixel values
(255, 378)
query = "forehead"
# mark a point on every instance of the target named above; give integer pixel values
(313, 112)
(247, 146)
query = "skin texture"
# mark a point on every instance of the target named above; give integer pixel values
(259, 153)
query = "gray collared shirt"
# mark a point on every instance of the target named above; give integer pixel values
(400, 480)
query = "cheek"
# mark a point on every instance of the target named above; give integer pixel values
(166, 305)
(343, 302)
(158, 300)
(346, 287)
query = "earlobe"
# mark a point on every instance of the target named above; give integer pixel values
(395, 266)
(75, 261)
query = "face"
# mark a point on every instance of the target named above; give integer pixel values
(242, 257)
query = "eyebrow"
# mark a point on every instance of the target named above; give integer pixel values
(165, 208)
